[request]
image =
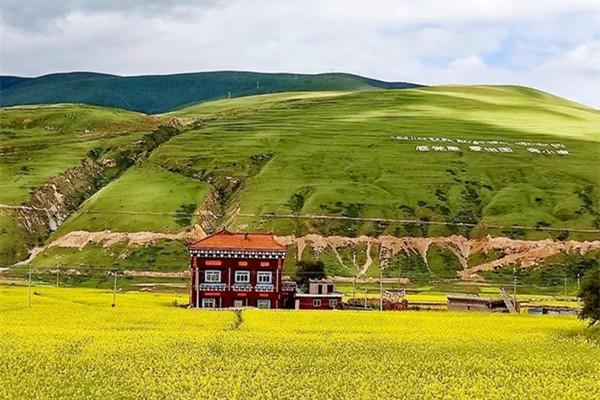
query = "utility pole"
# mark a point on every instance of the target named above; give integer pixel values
(29, 290)
(114, 301)
(578, 290)
(380, 289)
(515, 285)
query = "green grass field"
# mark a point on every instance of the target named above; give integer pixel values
(332, 154)
(144, 198)
(72, 345)
(37, 143)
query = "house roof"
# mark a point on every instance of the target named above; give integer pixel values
(225, 240)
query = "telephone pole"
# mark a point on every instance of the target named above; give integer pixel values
(29, 289)
(578, 290)
(114, 301)
(380, 289)
(515, 285)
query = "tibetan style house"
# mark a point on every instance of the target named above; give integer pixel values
(230, 269)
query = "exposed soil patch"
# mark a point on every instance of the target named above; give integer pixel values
(523, 253)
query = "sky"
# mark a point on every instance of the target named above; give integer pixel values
(546, 44)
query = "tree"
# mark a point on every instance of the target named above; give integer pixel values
(309, 270)
(590, 294)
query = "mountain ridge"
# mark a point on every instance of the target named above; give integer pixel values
(153, 94)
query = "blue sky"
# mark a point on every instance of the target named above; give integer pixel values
(547, 44)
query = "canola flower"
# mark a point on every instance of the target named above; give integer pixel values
(72, 345)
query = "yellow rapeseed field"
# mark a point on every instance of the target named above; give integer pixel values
(72, 345)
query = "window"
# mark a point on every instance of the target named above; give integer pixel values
(264, 276)
(209, 303)
(238, 303)
(332, 303)
(212, 276)
(242, 276)
(317, 303)
(263, 304)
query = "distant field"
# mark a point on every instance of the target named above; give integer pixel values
(72, 345)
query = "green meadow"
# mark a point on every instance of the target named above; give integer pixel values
(40, 142)
(332, 154)
(274, 162)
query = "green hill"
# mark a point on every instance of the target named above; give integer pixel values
(348, 164)
(161, 93)
(38, 144)
(333, 154)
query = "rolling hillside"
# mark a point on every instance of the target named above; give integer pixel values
(161, 93)
(450, 161)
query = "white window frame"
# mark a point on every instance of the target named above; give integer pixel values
(316, 302)
(333, 303)
(206, 300)
(210, 273)
(264, 301)
(263, 274)
(242, 272)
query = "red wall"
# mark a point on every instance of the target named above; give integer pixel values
(306, 303)
(228, 267)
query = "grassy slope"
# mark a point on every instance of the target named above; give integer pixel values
(334, 149)
(160, 93)
(38, 143)
(72, 344)
(41, 142)
(130, 203)
(337, 148)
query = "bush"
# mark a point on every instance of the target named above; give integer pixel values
(590, 294)
(307, 270)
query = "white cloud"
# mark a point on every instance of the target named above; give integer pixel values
(548, 44)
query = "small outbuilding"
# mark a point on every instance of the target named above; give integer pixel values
(475, 303)
(321, 296)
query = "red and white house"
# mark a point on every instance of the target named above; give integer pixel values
(230, 269)
(321, 296)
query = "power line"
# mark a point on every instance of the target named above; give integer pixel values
(318, 217)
